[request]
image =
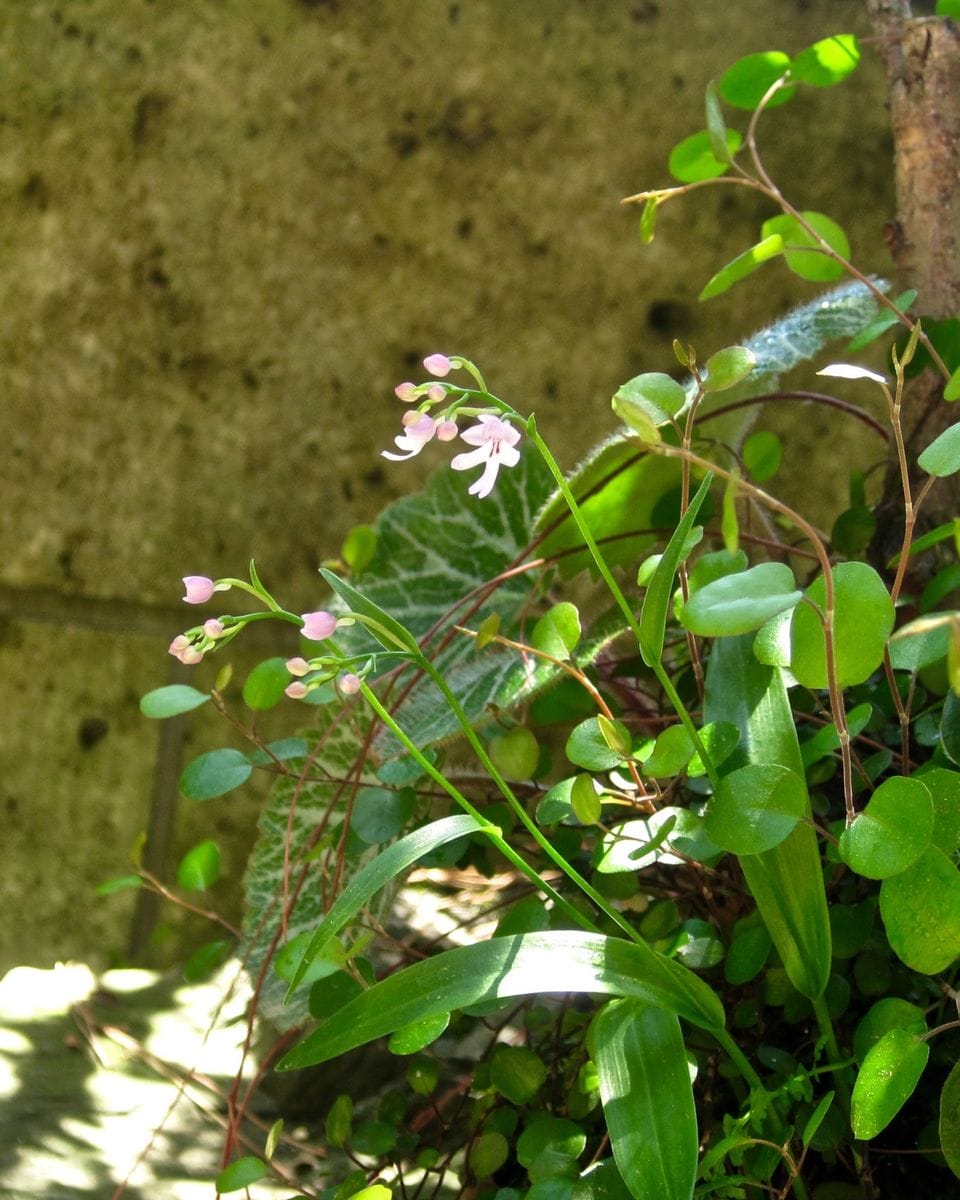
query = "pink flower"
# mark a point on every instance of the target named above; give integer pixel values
(296, 690)
(437, 393)
(298, 666)
(349, 684)
(199, 589)
(438, 364)
(446, 431)
(318, 626)
(406, 391)
(183, 648)
(495, 440)
(417, 432)
(213, 628)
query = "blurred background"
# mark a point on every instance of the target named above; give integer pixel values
(228, 230)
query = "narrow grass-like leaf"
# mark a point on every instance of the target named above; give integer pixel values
(656, 602)
(647, 1098)
(376, 875)
(519, 965)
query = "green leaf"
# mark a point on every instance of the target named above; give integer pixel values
(214, 774)
(376, 875)
(942, 456)
(762, 452)
(853, 530)
(888, 1013)
(264, 686)
(412, 1038)
(359, 547)
(647, 1098)
(659, 396)
(749, 950)
(124, 883)
(944, 789)
(863, 620)
(339, 1121)
(203, 962)
(523, 964)
(693, 159)
(672, 751)
(887, 1078)
(648, 219)
(517, 1073)
(755, 808)
(746, 82)
(716, 126)
(171, 701)
(558, 631)
(584, 800)
(588, 748)
(921, 642)
(884, 320)
(920, 908)
(950, 1095)
(380, 814)
(787, 881)
(802, 250)
(740, 603)
(386, 629)
(727, 368)
(241, 1174)
(656, 602)
(549, 1148)
(952, 391)
(199, 868)
(742, 266)
(948, 8)
(826, 62)
(815, 1120)
(488, 1154)
(720, 739)
(892, 831)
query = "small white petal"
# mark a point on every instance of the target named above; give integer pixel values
(851, 371)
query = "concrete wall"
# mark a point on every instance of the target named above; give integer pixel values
(228, 227)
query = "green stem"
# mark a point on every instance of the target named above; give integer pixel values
(522, 815)
(487, 828)
(825, 1024)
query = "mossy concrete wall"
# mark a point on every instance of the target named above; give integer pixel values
(228, 229)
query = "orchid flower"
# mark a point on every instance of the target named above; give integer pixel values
(496, 442)
(197, 589)
(318, 626)
(417, 432)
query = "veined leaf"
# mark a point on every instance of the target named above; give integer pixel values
(518, 965)
(647, 1098)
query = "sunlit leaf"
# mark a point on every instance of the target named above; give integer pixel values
(826, 62)
(199, 868)
(762, 452)
(755, 808)
(693, 159)
(892, 831)
(942, 456)
(921, 912)
(241, 1174)
(863, 620)
(802, 250)
(742, 266)
(746, 82)
(741, 603)
(264, 686)
(887, 1078)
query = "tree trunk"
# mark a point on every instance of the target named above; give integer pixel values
(922, 56)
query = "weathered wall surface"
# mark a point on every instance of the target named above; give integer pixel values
(227, 229)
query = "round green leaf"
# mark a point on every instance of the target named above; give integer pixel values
(720, 739)
(412, 1038)
(741, 603)
(892, 831)
(517, 1073)
(699, 945)
(672, 751)
(660, 395)
(749, 950)
(944, 789)
(852, 530)
(585, 801)
(950, 1108)
(921, 912)
(801, 250)
(359, 547)
(380, 814)
(942, 456)
(264, 686)
(171, 701)
(549, 1144)
(241, 1174)
(755, 808)
(558, 631)
(746, 82)
(515, 753)
(762, 452)
(728, 367)
(588, 748)
(888, 1013)
(214, 774)
(200, 867)
(488, 1154)
(922, 642)
(863, 620)
(827, 62)
(374, 1138)
(203, 962)
(693, 159)
(339, 1121)
(887, 1078)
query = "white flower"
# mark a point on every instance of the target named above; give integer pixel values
(495, 440)
(416, 433)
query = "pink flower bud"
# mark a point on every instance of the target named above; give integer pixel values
(296, 690)
(213, 628)
(178, 645)
(438, 364)
(190, 656)
(406, 391)
(318, 626)
(349, 684)
(437, 393)
(199, 589)
(446, 431)
(298, 666)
